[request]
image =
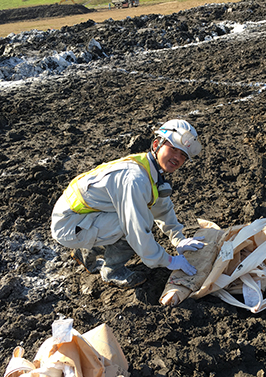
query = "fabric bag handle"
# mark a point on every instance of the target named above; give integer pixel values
(247, 265)
(251, 283)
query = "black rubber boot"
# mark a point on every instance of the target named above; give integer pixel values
(114, 272)
(88, 258)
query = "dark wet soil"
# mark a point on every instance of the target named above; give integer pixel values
(53, 128)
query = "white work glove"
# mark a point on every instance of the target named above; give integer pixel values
(190, 244)
(179, 262)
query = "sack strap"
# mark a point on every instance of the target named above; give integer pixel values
(250, 282)
(250, 263)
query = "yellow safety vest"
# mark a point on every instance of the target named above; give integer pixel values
(74, 198)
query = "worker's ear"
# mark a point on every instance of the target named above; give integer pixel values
(155, 144)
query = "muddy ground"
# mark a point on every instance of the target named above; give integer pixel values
(57, 123)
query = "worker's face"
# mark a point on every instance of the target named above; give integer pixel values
(169, 157)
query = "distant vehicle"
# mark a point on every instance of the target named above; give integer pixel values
(125, 3)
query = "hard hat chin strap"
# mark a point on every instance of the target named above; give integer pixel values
(154, 152)
(164, 187)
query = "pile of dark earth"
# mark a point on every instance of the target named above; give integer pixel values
(73, 98)
(42, 11)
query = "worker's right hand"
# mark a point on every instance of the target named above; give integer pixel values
(179, 262)
(190, 244)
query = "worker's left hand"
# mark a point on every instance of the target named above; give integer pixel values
(190, 244)
(179, 262)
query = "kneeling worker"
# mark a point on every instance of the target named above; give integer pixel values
(115, 205)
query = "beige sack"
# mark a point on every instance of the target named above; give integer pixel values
(180, 285)
(103, 340)
(238, 268)
(94, 354)
(18, 364)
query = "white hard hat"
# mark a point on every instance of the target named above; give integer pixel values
(181, 135)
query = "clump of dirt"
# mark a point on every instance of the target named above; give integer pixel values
(206, 64)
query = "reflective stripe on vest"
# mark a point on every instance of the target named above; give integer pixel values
(74, 198)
